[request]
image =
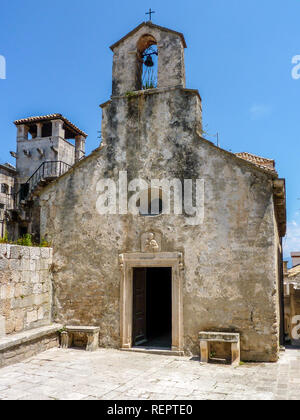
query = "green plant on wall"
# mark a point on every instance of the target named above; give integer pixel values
(130, 94)
(26, 240)
(44, 243)
(4, 240)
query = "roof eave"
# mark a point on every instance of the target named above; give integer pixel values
(150, 24)
(51, 117)
(6, 168)
(279, 193)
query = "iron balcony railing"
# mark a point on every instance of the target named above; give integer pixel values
(46, 171)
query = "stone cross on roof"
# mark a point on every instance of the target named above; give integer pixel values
(150, 13)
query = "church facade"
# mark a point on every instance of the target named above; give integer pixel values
(208, 258)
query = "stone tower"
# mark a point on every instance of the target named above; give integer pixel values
(128, 52)
(168, 113)
(47, 147)
(51, 141)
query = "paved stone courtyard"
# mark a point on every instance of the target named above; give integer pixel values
(110, 374)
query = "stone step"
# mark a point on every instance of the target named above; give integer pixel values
(159, 351)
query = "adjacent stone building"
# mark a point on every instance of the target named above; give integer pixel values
(44, 152)
(295, 258)
(292, 300)
(7, 190)
(158, 278)
(25, 287)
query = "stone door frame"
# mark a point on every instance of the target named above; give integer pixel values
(130, 261)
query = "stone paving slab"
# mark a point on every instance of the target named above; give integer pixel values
(114, 375)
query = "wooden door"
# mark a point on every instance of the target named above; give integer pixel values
(139, 306)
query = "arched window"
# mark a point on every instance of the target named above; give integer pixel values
(147, 63)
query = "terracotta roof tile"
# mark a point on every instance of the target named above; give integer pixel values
(50, 117)
(259, 161)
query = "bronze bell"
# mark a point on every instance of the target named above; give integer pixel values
(149, 62)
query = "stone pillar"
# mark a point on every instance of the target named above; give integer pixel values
(124, 77)
(22, 133)
(57, 129)
(171, 67)
(2, 326)
(39, 127)
(235, 354)
(204, 351)
(64, 340)
(79, 148)
(93, 341)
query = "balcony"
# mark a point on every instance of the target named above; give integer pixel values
(46, 173)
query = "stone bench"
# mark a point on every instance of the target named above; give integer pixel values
(208, 337)
(92, 334)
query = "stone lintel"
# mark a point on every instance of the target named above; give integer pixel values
(79, 329)
(221, 337)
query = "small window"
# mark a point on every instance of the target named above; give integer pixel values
(151, 202)
(4, 189)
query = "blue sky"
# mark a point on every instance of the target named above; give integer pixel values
(239, 56)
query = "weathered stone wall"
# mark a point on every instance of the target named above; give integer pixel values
(66, 152)
(25, 287)
(231, 275)
(294, 311)
(291, 295)
(2, 326)
(8, 178)
(27, 165)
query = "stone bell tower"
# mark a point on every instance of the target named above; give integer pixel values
(157, 115)
(128, 58)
